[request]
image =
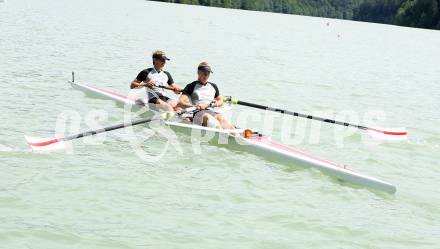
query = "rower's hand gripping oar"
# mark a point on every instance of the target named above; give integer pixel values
(50, 144)
(393, 134)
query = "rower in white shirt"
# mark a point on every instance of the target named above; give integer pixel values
(155, 77)
(204, 95)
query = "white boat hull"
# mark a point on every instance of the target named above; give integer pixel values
(260, 145)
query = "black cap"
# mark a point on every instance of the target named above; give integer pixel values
(205, 69)
(161, 57)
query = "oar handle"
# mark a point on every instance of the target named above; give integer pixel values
(186, 110)
(296, 114)
(167, 88)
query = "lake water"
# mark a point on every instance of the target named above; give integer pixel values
(102, 194)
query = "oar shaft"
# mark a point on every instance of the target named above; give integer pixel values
(109, 128)
(296, 114)
(167, 88)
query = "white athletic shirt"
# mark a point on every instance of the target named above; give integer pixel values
(163, 78)
(201, 94)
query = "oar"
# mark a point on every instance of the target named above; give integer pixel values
(167, 88)
(381, 133)
(49, 144)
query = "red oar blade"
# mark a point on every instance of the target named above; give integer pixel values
(45, 144)
(389, 134)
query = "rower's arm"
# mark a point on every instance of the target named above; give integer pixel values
(135, 84)
(175, 88)
(184, 101)
(138, 84)
(218, 101)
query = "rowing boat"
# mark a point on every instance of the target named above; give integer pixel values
(258, 144)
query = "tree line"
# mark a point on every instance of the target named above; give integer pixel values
(411, 13)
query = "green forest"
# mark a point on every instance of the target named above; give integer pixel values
(411, 13)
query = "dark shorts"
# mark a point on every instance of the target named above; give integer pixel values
(154, 99)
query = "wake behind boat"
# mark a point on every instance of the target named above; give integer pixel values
(238, 139)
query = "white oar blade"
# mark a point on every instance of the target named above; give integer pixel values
(45, 144)
(389, 134)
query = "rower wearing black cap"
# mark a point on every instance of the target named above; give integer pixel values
(154, 77)
(204, 95)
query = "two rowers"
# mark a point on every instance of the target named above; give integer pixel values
(201, 94)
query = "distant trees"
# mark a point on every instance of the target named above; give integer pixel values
(419, 13)
(381, 11)
(413, 13)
